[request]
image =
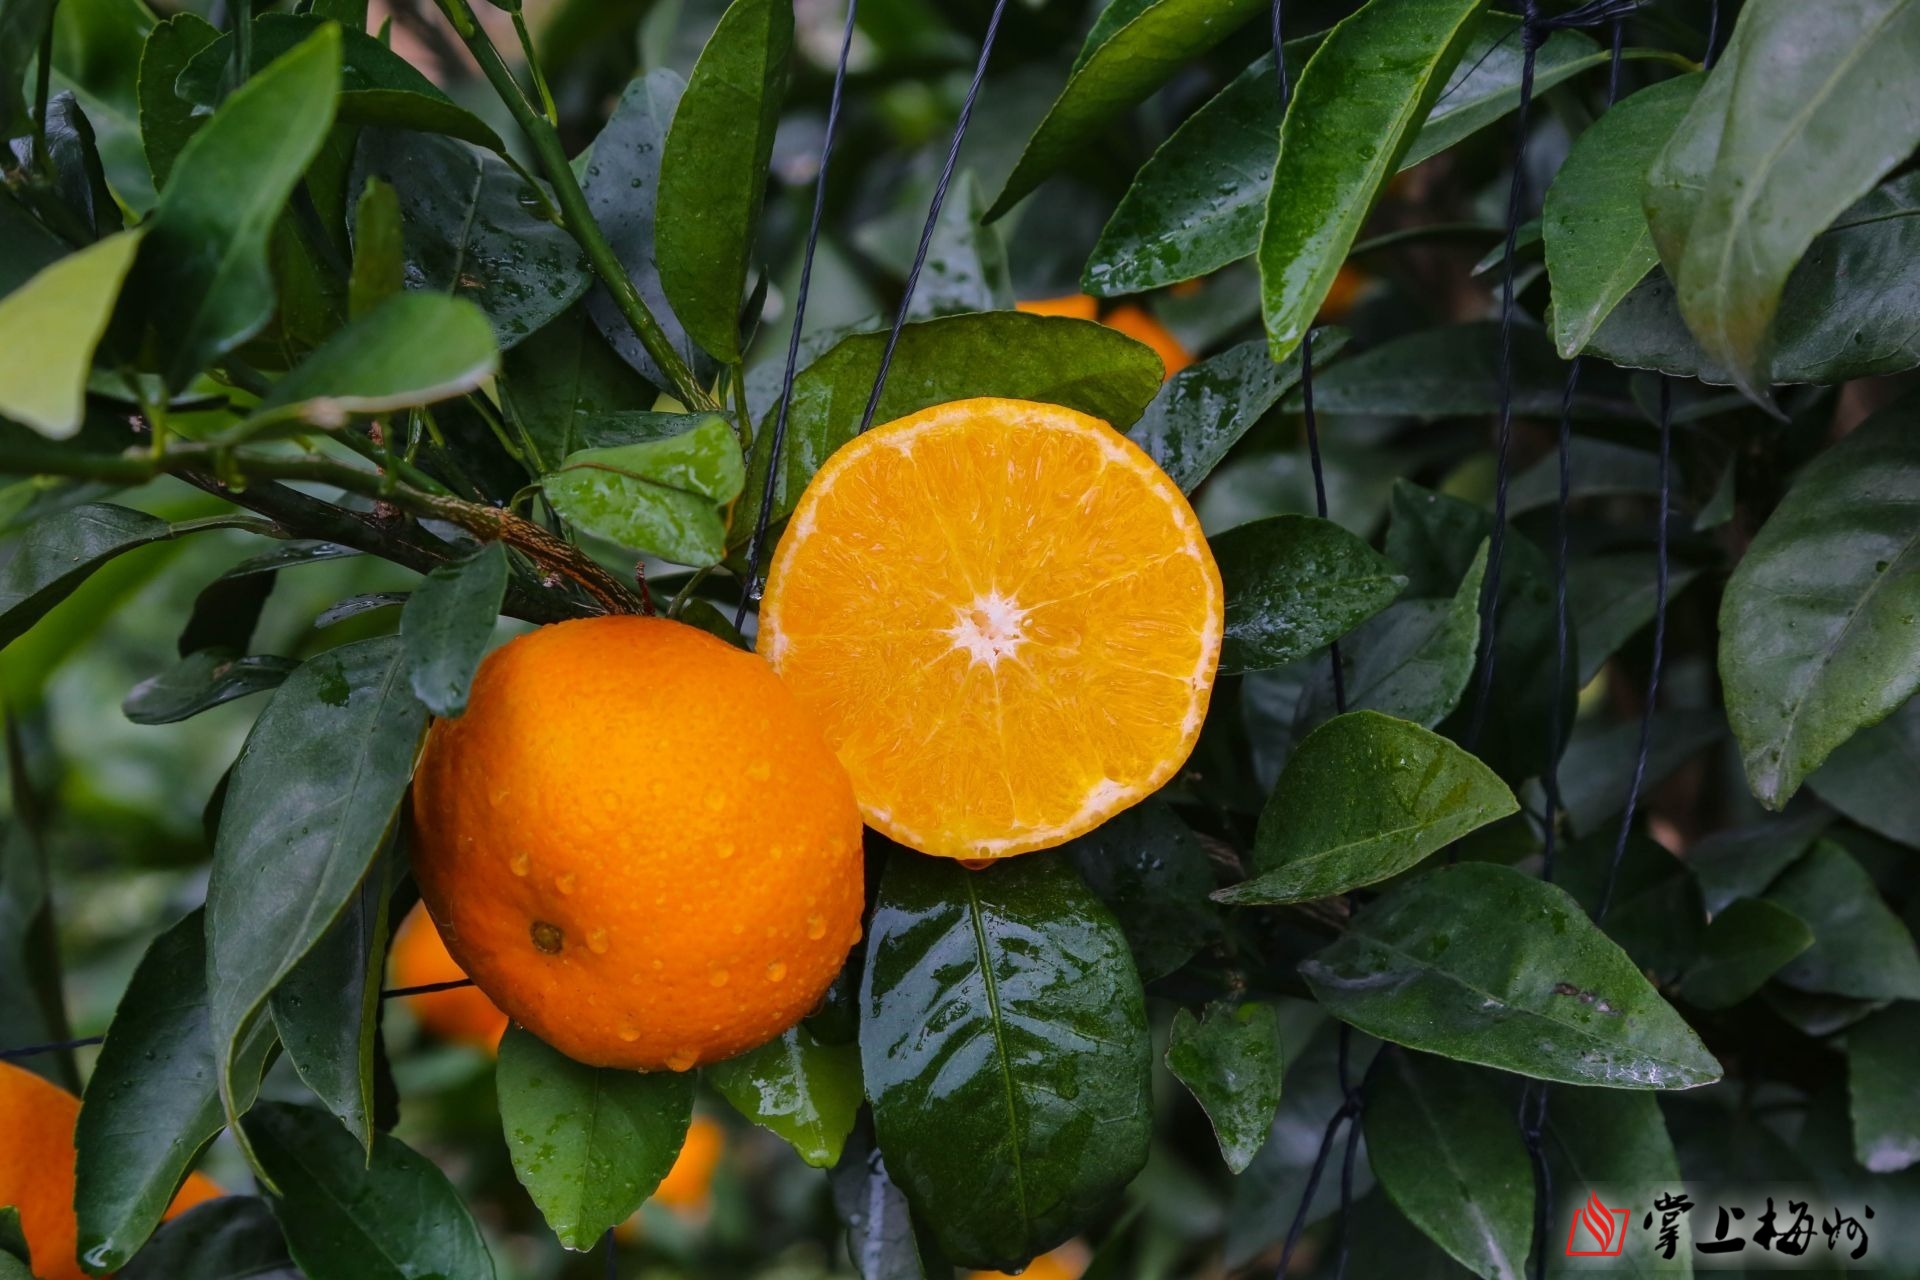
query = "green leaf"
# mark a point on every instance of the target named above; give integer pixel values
(1482, 963)
(327, 1010)
(1597, 767)
(379, 260)
(446, 625)
(49, 327)
(1138, 57)
(1005, 1049)
(966, 264)
(1595, 229)
(621, 179)
(805, 1091)
(564, 384)
(412, 349)
(377, 85)
(1867, 777)
(393, 1216)
(663, 497)
(311, 801)
(1860, 948)
(1742, 862)
(26, 247)
(1731, 224)
(203, 271)
(1074, 363)
(201, 681)
(1232, 1060)
(1412, 661)
(589, 1143)
(1611, 598)
(1443, 1143)
(1744, 946)
(1816, 632)
(1294, 584)
(22, 23)
(1486, 86)
(151, 1106)
(32, 1008)
(882, 1241)
(1886, 1115)
(469, 227)
(166, 119)
(1362, 799)
(13, 1238)
(232, 1238)
(713, 170)
(1403, 51)
(1150, 871)
(1612, 1139)
(1202, 411)
(1845, 312)
(57, 553)
(1656, 914)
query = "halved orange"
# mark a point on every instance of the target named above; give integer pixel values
(1005, 620)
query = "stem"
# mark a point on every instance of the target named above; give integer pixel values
(533, 68)
(744, 429)
(578, 218)
(42, 90)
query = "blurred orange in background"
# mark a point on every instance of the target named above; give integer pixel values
(418, 959)
(1127, 318)
(1064, 1263)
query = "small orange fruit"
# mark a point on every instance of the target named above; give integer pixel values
(637, 843)
(419, 959)
(1348, 284)
(1004, 617)
(1065, 1263)
(688, 1186)
(37, 1119)
(1137, 324)
(1075, 306)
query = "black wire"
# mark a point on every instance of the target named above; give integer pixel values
(613, 1257)
(1346, 1196)
(426, 989)
(933, 214)
(756, 544)
(1659, 649)
(56, 1046)
(1713, 35)
(1313, 1185)
(1533, 1123)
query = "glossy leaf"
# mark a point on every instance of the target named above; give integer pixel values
(327, 1010)
(231, 1238)
(562, 382)
(446, 624)
(1202, 411)
(621, 179)
(882, 1241)
(1816, 633)
(966, 264)
(589, 1143)
(412, 349)
(1860, 948)
(379, 259)
(1232, 1060)
(57, 553)
(1403, 51)
(1075, 363)
(1482, 963)
(1656, 913)
(1867, 777)
(1594, 226)
(663, 497)
(1138, 57)
(1611, 1138)
(1362, 799)
(151, 1105)
(1147, 866)
(1744, 946)
(1005, 1050)
(1293, 585)
(1743, 861)
(311, 801)
(1442, 1141)
(1611, 599)
(803, 1090)
(1486, 85)
(1732, 224)
(1597, 768)
(713, 170)
(469, 228)
(1453, 370)
(204, 262)
(1886, 1115)
(394, 1217)
(49, 327)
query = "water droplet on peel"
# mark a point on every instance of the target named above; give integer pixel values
(718, 977)
(776, 971)
(597, 942)
(683, 1060)
(565, 881)
(629, 1035)
(715, 801)
(724, 849)
(519, 864)
(658, 965)
(759, 771)
(816, 928)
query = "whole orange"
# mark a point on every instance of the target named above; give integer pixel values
(419, 958)
(638, 844)
(1064, 1263)
(36, 1170)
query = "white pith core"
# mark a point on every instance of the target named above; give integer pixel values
(989, 629)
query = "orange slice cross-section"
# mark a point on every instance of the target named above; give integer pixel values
(1004, 618)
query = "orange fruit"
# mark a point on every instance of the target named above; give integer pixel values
(1075, 306)
(1064, 1263)
(419, 958)
(36, 1170)
(688, 1186)
(638, 844)
(1348, 284)
(1137, 324)
(1004, 617)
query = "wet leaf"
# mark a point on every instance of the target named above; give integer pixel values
(201, 681)
(49, 327)
(1615, 1143)
(1293, 585)
(1886, 1116)
(1363, 798)
(589, 1143)
(1150, 871)
(1232, 1060)
(664, 497)
(231, 1238)
(56, 554)
(882, 1240)
(803, 1090)
(446, 625)
(395, 1217)
(1482, 963)
(713, 170)
(1744, 946)
(1817, 639)
(1867, 777)
(1005, 1049)
(966, 264)
(1860, 948)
